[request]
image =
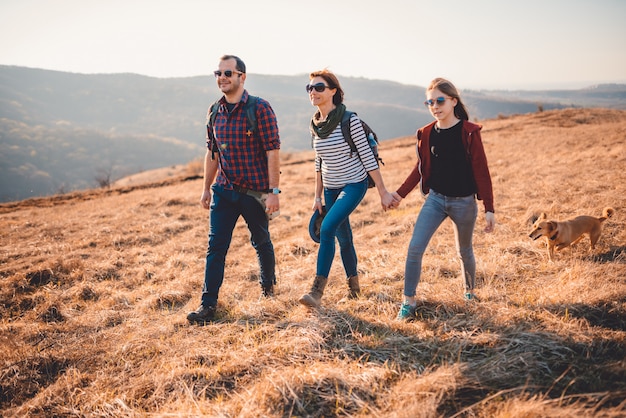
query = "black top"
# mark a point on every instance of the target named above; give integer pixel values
(451, 173)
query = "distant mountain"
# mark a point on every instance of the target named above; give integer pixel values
(64, 131)
(611, 96)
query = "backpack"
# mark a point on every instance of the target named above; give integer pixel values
(249, 107)
(372, 139)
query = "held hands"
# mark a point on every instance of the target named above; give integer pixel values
(490, 219)
(386, 199)
(396, 200)
(390, 200)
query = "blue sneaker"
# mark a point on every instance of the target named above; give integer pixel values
(470, 296)
(406, 312)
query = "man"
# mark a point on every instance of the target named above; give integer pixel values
(241, 178)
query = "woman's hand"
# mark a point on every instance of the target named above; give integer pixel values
(317, 205)
(386, 200)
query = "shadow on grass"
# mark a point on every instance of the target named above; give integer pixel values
(614, 255)
(517, 356)
(606, 314)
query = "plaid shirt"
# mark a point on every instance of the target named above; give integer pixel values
(242, 155)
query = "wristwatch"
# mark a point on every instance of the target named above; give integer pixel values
(275, 190)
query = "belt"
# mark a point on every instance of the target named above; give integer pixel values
(452, 197)
(250, 192)
(241, 189)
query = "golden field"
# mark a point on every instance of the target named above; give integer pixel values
(95, 287)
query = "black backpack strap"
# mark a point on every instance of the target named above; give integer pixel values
(250, 108)
(345, 130)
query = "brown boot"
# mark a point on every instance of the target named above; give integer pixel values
(355, 289)
(314, 297)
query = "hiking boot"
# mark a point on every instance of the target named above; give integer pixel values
(314, 297)
(201, 315)
(267, 291)
(407, 312)
(353, 285)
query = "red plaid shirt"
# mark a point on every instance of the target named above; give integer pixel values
(243, 154)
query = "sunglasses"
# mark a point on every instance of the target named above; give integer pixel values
(431, 102)
(319, 87)
(227, 73)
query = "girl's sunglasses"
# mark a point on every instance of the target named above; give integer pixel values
(319, 87)
(431, 102)
(227, 73)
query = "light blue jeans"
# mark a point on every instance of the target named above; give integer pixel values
(340, 203)
(437, 207)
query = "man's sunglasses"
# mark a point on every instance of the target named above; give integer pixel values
(319, 87)
(431, 102)
(227, 73)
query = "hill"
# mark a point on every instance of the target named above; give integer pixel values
(62, 132)
(95, 287)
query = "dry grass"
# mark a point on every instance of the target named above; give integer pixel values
(95, 287)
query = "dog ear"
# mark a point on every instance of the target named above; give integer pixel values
(543, 216)
(551, 225)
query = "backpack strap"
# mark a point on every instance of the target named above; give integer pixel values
(250, 109)
(345, 130)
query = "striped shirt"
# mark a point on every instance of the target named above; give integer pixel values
(338, 164)
(242, 155)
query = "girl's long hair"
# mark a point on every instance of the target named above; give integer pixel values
(447, 88)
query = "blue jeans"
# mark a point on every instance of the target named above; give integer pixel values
(226, 207)
(340, 203)
(437, 207)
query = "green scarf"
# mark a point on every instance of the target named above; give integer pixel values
(323, 128)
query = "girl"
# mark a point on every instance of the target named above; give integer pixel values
(452, 171)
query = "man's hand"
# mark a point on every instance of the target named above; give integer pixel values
(205, 200)
(272, 203)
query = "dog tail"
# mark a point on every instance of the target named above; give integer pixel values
(606, 213)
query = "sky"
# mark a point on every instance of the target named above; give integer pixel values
(478, 44)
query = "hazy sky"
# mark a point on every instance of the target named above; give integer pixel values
(476, 44)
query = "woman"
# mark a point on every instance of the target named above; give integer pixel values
(342, 177)
(452, 171)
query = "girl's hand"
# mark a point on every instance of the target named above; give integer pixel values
(396, 200)
(490, 218)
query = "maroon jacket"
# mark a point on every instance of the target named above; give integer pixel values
(475, 155)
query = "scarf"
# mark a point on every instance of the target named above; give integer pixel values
(324, 128)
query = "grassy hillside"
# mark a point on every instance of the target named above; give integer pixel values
(95, 287)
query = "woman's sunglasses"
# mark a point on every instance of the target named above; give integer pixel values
(227, 73)
(431, 102)
(319, 87)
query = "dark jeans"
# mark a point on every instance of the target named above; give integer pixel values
(226, 207)
(340, 203)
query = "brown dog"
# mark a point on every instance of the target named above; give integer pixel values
(563, 234)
